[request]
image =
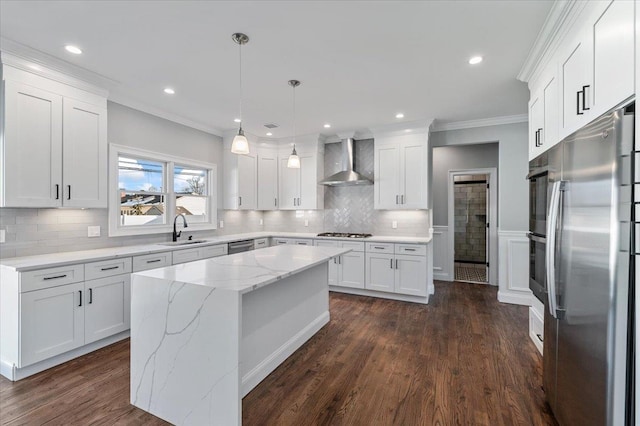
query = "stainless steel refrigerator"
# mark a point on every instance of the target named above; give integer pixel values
(589, 312)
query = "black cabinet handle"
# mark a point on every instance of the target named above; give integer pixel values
(69, 188)
(90, 296)
(80, 291)
(378, 247)
(391, 263)
(539, 337)
(109, 268)
(409, 249)
(578, 102)
(154, 261)
(396, 263)
(239, 201)
(54, 278)
(584, 98)
(275, 202)
(57, 191)
(397, 199)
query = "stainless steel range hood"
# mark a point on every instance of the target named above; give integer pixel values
(347, 177)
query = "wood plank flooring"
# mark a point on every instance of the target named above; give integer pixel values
(463, 359)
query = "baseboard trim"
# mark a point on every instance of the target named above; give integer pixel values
(516, 299)
(262, 370)
(440, 276)
(13, 373)
(391, 296)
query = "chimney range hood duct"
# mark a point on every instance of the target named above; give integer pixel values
(347, 177)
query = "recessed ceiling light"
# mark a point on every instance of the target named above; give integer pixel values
(407, 130)
(399, 115)
(475, 60)
(269, 134)
(73, 49)
(237, 120)
(169, 91)
(326, 126)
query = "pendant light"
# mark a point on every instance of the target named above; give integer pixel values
(240, 144)
(294, 160)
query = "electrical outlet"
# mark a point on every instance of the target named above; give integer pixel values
(394, 224)
(221, 224)
(93, 231)
(2, 236)
(261, 222)
(306, 222)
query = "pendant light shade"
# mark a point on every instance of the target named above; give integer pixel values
(294, 160)
(240, 144)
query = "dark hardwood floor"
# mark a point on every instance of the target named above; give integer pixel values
(463, 359)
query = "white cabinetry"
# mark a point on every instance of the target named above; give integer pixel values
(260, 243)
(295, 241)
(396, 268)
(240, 177)
(267, 180)
(107, 307)
(346, 270)
(298, 188)
(198, 253)
(544, 115)
(401, 172)
(54, 151)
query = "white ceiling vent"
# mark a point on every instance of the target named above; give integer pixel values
(271, 125)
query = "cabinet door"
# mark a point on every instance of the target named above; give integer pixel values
(387, 177)
(535, 114)
(267, 182)
(351, 270)
(247, 173)
(308, 183)
(577, 87)
(289, 186)
(549, 135)
(32, 161)
(411, 275)
(333, 263)
(107, 307)
(379, 272)
(612, 31)
(51, 322)
(84, 159)
(413, 175)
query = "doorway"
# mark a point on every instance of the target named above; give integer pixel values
(472, 215)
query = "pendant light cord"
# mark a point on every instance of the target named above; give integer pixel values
(240, 74)
(294, 117)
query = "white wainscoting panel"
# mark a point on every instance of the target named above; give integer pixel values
(513, 271)
(441, 262)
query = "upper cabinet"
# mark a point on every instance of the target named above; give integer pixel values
(401, 172)
(261, 180)
(590, 71)
(54, 150)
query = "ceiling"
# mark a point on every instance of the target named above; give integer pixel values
(360, 63)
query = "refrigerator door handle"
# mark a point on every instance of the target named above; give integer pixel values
(552, 226)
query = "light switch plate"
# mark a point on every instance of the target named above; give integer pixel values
(2, 236)
(93, 231)
(306, 222)
(221, 224)
(261, 222)
(394, 224)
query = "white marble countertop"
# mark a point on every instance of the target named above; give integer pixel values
(50, 260)
(248, 271)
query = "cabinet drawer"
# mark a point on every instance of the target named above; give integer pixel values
(151, 261)
(325, 243)
(281, 241)
(415, 249)
(214, 251)
(379, 248)
(353, 245)
(261, 243)
(189, 255)
(301, 242)
(51, 277)
(107, 268)
(536, 326)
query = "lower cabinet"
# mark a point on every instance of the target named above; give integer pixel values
(296, 241)
(198, 253)
(58, 319)
(346, 270)
(396, 273)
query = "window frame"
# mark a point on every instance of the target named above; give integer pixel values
(169, 162)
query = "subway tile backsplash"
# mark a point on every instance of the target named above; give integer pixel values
(347, 209)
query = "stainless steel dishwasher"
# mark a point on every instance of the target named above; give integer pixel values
(240, 246)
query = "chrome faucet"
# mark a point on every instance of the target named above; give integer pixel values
(175, 233)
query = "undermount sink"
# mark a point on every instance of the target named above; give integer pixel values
(183, 243)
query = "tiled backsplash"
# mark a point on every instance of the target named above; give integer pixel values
(40, 231)
(347, 209)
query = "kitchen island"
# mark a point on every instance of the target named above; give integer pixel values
(203, 334)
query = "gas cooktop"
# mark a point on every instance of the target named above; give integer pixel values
(343, 235)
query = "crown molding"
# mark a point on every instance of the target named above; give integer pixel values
(556, 25)
(483, 122)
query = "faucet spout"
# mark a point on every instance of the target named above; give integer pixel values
(176, 234)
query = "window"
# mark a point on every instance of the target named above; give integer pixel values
(149, 189)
